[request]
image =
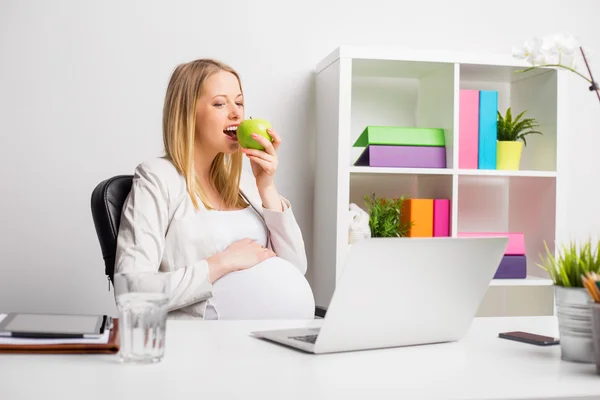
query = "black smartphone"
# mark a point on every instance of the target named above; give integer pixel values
(530, 338)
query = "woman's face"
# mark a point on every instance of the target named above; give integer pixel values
(219, 111)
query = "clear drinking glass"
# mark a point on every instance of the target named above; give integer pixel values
(142, 300)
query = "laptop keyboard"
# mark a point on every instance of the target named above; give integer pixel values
(305, 338)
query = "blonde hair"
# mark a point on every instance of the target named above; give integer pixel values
(179, 127)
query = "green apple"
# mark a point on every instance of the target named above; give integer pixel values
(250, 126)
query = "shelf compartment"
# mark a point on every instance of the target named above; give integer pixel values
(510, 204)
(534, 92)
(420, 186)
(402, 94)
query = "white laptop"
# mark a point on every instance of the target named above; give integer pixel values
(402, 292)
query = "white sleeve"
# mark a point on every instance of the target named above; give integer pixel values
(286, 236)
(141, 239)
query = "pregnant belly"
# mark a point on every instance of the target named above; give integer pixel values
(272, 289)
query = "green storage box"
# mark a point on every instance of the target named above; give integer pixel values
(401, 136)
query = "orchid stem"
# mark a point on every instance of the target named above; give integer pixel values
(557, 65)
(590, 80)
(593, 87)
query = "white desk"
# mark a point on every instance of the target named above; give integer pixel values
(218, 360)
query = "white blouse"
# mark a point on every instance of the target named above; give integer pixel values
(271, 289)
(161, 231)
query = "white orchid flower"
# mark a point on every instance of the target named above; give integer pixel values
(566, 44)
(562, 49)
(559, 50)
(550, 51)
(530, 51)
(553, 49)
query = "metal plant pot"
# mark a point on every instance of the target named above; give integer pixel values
(574, 324)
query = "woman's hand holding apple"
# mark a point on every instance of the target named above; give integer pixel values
(264, 164)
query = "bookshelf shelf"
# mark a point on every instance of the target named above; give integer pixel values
(521, 173)
(401, 171)
(529, 281)
(450, 171)
(380, 86)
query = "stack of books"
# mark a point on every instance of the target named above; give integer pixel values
(430, 217)
(402, 147)
(478, 129)
(58, 334)
(514, 261)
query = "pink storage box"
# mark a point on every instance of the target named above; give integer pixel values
(441, 217)
(516, 241)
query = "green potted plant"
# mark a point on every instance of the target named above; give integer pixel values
(511, 138)
(574, 315)
(385, 216)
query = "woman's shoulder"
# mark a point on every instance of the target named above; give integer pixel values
(160, 167)
(162, 174)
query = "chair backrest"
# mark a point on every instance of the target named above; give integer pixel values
(107, 202)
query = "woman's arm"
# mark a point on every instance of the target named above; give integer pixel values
(286, 236)
(141, 238)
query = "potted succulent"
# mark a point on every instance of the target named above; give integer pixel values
(574, 314)
(511, 138)
(385, 216)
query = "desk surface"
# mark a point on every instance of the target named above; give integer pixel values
(219, 358)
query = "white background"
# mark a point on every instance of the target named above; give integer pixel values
(82, 85)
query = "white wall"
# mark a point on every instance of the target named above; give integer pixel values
(82, 85)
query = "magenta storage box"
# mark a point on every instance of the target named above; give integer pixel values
(403, 156)
(441, 217)
(516, 241)
(512, 267)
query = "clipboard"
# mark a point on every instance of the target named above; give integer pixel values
(74, 347)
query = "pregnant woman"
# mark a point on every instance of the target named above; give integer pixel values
(226, 238)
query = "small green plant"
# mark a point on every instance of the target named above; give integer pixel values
(512, 130)
(572, 262)
(385, 216)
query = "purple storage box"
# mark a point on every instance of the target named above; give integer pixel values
(512, 267)
(403, 156)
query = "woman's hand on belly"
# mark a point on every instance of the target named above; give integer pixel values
(237, 256)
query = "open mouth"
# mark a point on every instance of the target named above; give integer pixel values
(231, 132)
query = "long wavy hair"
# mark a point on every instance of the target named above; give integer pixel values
(179, 127)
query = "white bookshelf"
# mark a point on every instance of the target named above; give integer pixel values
(360, 86)
(531, 280)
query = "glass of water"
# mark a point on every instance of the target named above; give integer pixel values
(142, 300)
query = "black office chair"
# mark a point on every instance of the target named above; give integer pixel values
(107, 202)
